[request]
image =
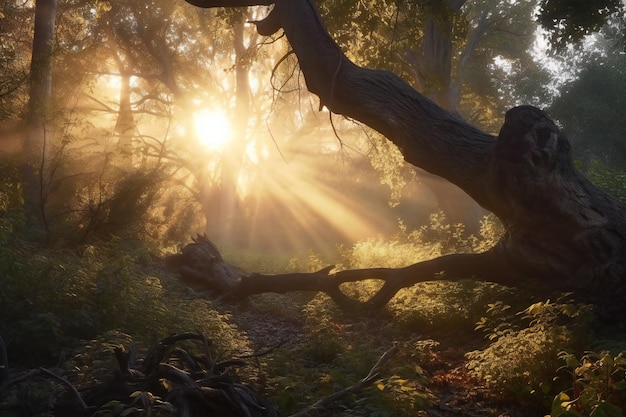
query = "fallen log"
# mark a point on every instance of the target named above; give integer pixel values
(561, 231)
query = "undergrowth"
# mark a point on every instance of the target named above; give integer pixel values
(50, 300)
(70, 307)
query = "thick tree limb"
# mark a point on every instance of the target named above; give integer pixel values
(208, 275)
(561, 230)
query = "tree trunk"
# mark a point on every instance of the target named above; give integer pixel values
(125, 125)
(561, 230)
(432, 69)
(34, 151)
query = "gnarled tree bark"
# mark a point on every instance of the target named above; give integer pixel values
(561, 230)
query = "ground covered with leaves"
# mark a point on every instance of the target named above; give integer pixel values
(83, 326)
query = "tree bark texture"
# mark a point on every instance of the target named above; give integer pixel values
(561, 230)
(38, 108)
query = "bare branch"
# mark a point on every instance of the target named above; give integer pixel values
(352, 389)
(69, 386)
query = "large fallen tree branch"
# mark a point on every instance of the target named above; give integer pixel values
(562, 231)
(202, 267)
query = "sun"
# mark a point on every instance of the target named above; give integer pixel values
(212, 128)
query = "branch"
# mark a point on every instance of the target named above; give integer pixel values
(177, 376)
(371, 376)
(46, 373)
(68, 384)
(201, 266)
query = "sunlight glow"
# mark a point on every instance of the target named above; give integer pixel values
(255, 154)
(114, 82)
(297, 210)
(213, 129)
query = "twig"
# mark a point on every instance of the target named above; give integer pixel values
(45, 372)
(371, 376)
(265, 351)
(165, 370)
(68, 384)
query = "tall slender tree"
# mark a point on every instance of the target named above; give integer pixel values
(39, 130)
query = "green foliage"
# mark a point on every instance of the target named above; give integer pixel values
(325, 344)
(143, 404)
(34, 396)
(597, 385)
(104, 292)
(443, 304)
(338, 351)
(203, 316)
(569, 22)
(11, 201)
(435, 238)
(611, 181)
(61, 296)
(523, 354)
(93, 360)
(405, 391)
(590, 110)
(388, 161)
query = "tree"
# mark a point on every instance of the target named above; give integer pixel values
(569, 21)
(38, 109)
(14, 50)
(561, 231)
(591, 108)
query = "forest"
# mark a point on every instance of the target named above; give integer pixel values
(313, 208)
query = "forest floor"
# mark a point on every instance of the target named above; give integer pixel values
(452, 390)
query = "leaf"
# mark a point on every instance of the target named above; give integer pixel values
(535, 309)
(572, 362)
(559, 404)
(111, 404)
(606, 409)
(620, 386)
(128, 411)
(607, 359)
(380, 386)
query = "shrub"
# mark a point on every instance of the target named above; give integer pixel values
(523, 354)
(597, 385)
(607, 179)
(446, 304)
